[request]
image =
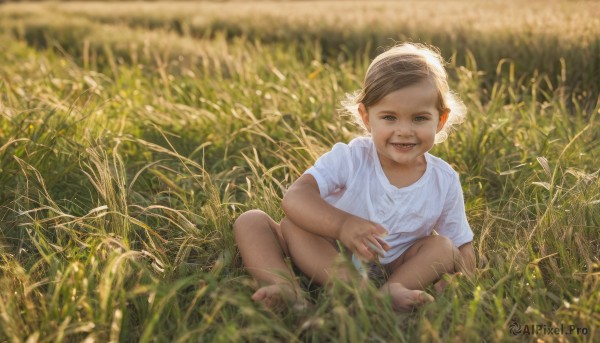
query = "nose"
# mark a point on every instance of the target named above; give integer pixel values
(403, 129)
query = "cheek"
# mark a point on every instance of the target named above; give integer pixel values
(382, 131)
(431, 133)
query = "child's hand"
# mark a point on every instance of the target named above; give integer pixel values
(362, 237)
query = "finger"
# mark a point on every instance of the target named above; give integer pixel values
(380, 230)
(378, 245)
(382, 243)
(364, 252)
(375, 247)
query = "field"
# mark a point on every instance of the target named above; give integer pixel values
(133, 134)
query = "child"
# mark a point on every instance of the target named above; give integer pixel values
(383, 194)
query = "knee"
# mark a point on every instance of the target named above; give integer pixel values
(440, 240)
(249, 219)
(444, 246)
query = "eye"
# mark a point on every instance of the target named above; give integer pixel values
(389, 118)
(421, 118)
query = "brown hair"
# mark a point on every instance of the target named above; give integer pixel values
(403, 66)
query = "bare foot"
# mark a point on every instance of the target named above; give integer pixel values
(280, 296)
(404, 299)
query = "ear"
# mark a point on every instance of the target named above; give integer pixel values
(362, 110)
(443, 118)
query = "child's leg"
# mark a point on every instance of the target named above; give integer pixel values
(315, 255)
(422, 264)
(263, 251)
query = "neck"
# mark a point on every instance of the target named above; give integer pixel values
(404, 175)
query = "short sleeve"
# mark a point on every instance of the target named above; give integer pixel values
(453, 221)
(332, 170)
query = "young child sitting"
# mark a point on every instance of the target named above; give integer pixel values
(382, 196)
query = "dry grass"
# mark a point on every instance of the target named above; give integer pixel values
(128, 146)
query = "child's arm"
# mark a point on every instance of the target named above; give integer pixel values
(303, 205)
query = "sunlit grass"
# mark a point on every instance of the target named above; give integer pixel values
(530, 34)
(127, 151)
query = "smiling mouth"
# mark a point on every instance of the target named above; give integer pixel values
(403, 145)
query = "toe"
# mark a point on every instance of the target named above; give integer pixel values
(259, 295)
(425, 298)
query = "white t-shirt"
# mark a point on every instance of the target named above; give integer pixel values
(350, 177)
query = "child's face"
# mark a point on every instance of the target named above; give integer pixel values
(403, 125)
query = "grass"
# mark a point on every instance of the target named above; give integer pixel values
(131, 139)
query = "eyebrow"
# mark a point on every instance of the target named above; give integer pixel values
(387, 112)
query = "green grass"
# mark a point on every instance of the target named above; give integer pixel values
(130, 144)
